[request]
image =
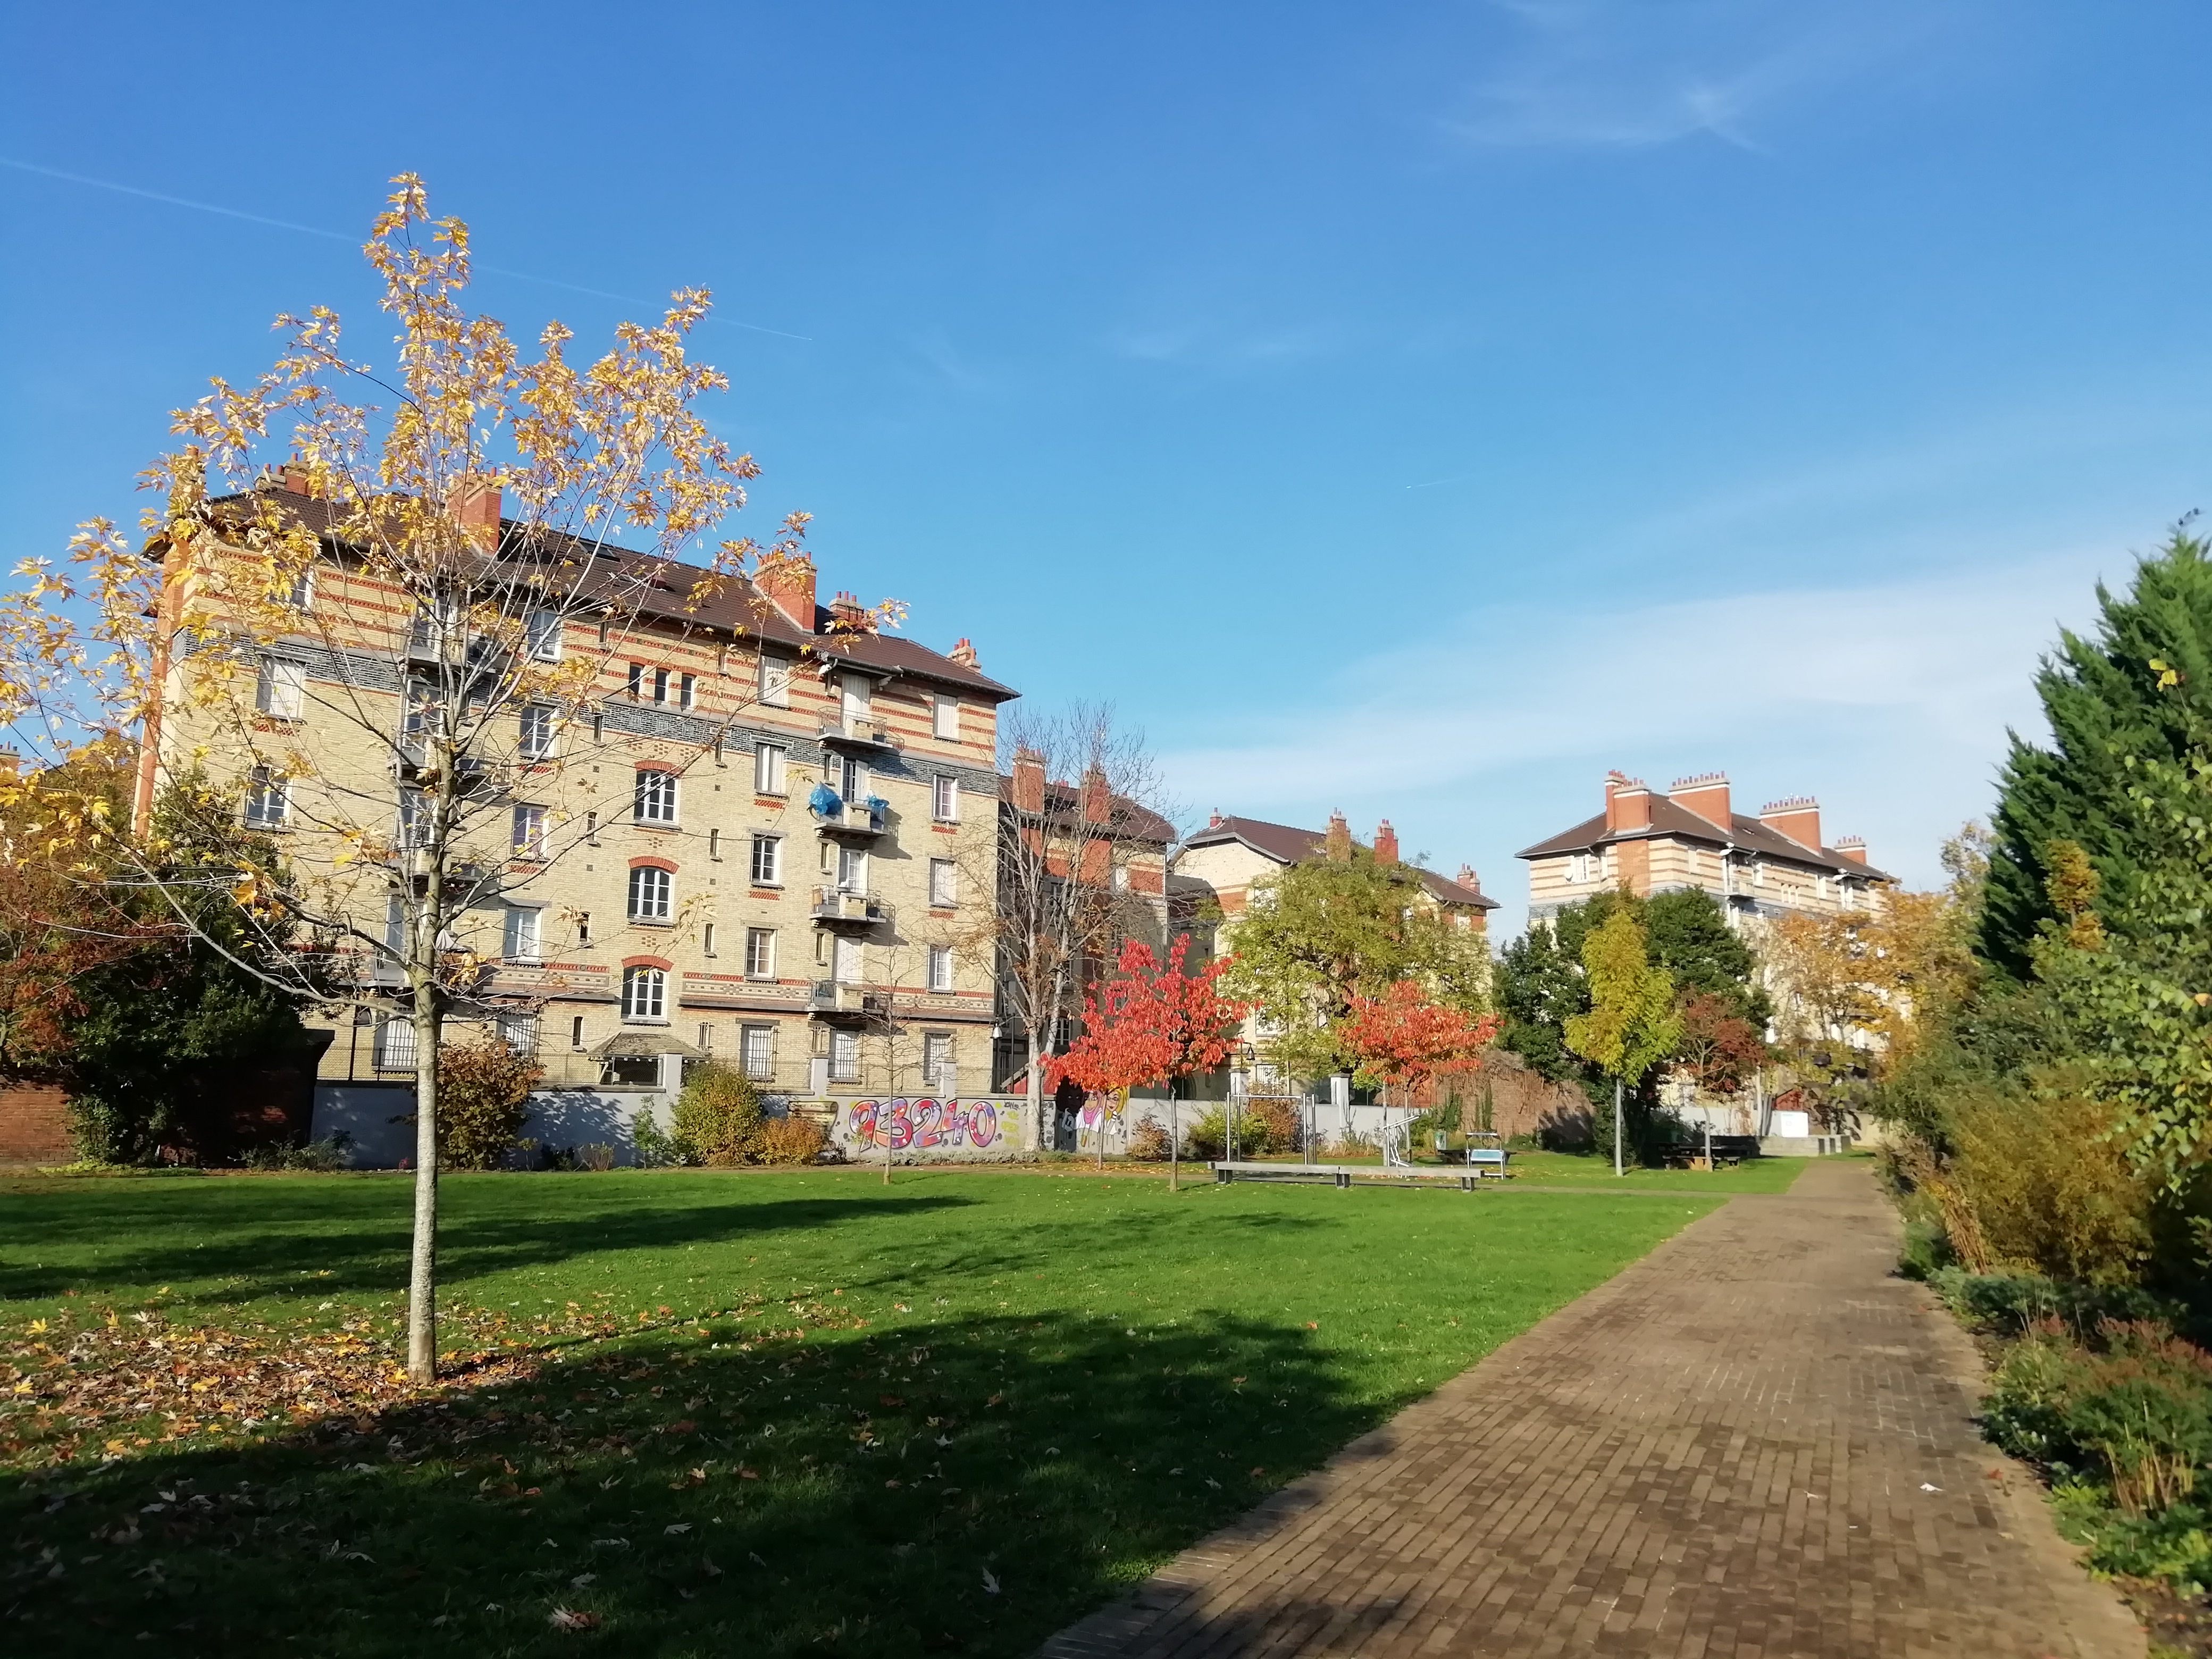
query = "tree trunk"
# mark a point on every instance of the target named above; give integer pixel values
(1175, 1143)
(1036, 1094)
(422, 1265)
(1616, 1126)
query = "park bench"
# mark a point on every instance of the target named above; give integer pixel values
(1482, 1164)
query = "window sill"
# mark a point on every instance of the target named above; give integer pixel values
(645, 1019)
(522, 962)
(655, 824)
(651, 921)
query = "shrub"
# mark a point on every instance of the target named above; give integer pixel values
(1268, 1124)
(484, 1095)
(2137, 1416)
(717, 1116)
(788, 1141)
(656, 1149)
(595, 1155)
(1208, 1136)
(1148, 1141)
(321, 1156)
(2051, 1185)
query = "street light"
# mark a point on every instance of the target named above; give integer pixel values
(1245, 1056)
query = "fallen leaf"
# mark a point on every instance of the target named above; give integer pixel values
(561, 1619)
(990, 1585)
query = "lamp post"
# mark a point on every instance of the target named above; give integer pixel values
(1245, 1056)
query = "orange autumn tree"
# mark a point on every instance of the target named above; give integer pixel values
(1404, 1037)
(1151, 1024)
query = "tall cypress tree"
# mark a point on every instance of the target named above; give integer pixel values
(2102, 696)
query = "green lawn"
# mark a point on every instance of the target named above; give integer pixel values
(1758, 1175)
(728, 1413)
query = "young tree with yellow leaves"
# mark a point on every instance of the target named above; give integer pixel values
(384, 646)
(1631, 1024)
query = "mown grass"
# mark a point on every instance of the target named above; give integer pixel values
(766, 1414)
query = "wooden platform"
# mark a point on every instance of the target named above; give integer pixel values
(1465, 1176)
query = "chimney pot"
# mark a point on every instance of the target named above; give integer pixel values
(1385, 843)
(1852, 847)
(787, 580)
(1797, 817)
(964, 654)
(476, 506)
(1627, 804)
(1707, 795)
(1029, 781)
(1468, 879)
(1337, 843)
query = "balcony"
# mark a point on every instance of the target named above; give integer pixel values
(836, 906)
(855, 820)
(833, 997)
(863, 736)
(410, 762)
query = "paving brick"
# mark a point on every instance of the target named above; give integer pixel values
(1720, 1454)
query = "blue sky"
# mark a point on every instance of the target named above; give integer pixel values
(1417, 409)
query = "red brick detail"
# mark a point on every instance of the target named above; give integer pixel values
(35, 1125)
(1385, 843)
(662, 962)
(1627, 804)
(668, 865)
(1707, 795)
(789, 582)
(1799, 818)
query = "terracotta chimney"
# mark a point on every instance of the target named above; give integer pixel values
(788, 584)
(1385, 843)
(1468, 879)
(1097, 799)
(1627, 804)
(1029, 781)
(846, 611)
(1852, 847)
(475, 506)
(1707, 795)
(1214, 823)
(964, 654)
(1797, 818)
(1337, 843)
(12, 763)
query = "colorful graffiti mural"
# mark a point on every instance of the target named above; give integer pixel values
(945, 1129)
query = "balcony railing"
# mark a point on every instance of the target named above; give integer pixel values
(854, 817)
(830, 996)
(861, 734)
(833, 904)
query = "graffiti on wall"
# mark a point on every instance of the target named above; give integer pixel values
(947, 1127)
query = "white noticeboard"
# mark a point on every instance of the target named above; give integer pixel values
(1796, 1125)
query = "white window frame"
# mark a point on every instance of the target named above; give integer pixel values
(534, 741)
(280, 690)
(768, 761)
(945, 798)
(654, 802)
(652, 893)
(844, 1056)
(541, 635)
(855, 700)
(268, 799)
(757, 1051)
(945, 719)
(940, 966)
(760, 953)
(521, 937)
(301, 597)
(766, 852)
(645, 995)
(520, 1032)
(852, 870)
(528, 837)
(944, 883)
(848, 961)
(395, 1048)
(937, 1058)
(774, 681)
(687, 691)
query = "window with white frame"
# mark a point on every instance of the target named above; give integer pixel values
(767, 859)
(268, 799)
(395, 1045)
(768, 769)
(636, 682)
(845, 961)
(853, 696)
(685, 689)
(650, 887)
(395, 924)
(757, 1051)
(520, 1032)
(529, 840)
(936, 1059)
(945, 719)
(945, 799)
(281, 689)
(655, 798)
(852, 870)
(644, 994)
(1118, 878)
(520, 941)
(301, 595)
(541, 635)
(844, 1056)
(944, 883)
(707, 939)
(774, 682)
(536, 742)
(940, 967)
(760, 953)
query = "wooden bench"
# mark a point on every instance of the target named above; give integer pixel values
(1482, 1163)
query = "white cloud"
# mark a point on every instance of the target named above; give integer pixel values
(1626, 74)
(1889, 700)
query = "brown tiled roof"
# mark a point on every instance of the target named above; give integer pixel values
(1062, 801)
(1287, 844)
(734, 606)
(1671, 821)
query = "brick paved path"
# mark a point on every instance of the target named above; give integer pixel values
(1719, 1453)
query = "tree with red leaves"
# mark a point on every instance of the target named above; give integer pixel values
(1404, 1037)
(1152, 1024)
(1719, 1048)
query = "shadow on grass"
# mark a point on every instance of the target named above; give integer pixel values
(966, 1486)
(263, 1241)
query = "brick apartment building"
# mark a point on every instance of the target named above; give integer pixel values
(757, 837)
(1690, 835)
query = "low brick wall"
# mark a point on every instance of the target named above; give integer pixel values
(1521, 1102)
(33, 1126)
